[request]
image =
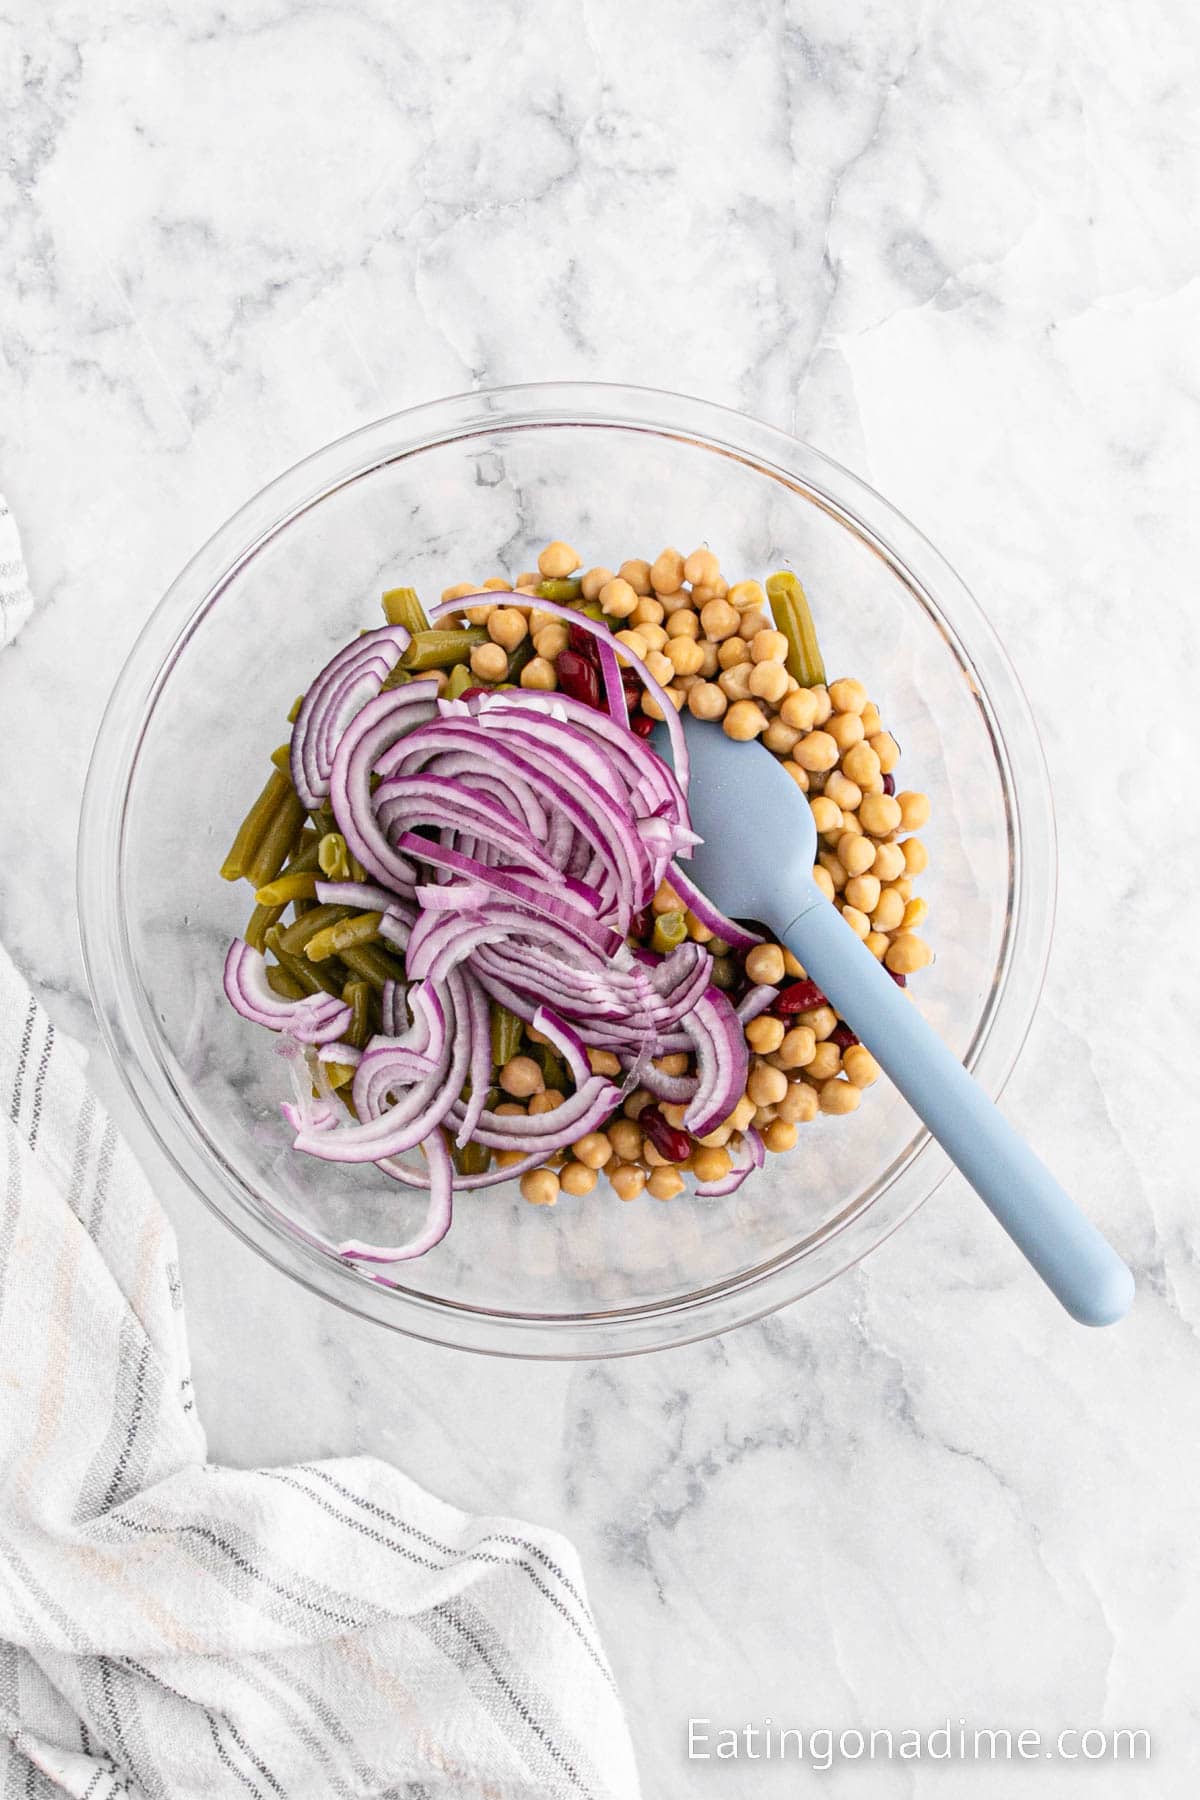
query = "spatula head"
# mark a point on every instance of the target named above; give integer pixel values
(760, 842)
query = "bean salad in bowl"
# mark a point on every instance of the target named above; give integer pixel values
(473, 926)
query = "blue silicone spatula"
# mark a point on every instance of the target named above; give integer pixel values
(756, 861)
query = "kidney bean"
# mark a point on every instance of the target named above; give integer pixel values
(800, 996)
(583, 643)
(842, 1036)
(578, 678)
(639, 925)
(641, 725)
(900, 980)
(676, 1146)
(889, 784)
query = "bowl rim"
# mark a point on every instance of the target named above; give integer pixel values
(912, 1177)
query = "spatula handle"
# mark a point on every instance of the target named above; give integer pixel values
(1067, 1251)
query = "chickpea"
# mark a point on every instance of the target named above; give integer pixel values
(791, 968)
(889, 862)
(822, 879)
(860, 764)
(914, 810)
(799, 710)
(651, 1158)
(780, 1136)
(540, 1187)
(593, 1150)
(653, 636)
(860, 1066)
(826, 816)
(593, 581)
(633, 641)
(666, 572)
(557, 560)
(675, 1063)
(830, 863)
(799, 1104)
(848, 696)
(764, 965)
(765, 1034)
(856, 853)
(907, 953)
(712, 661)
(886, 749)
(798, 1047)
(489, 662)
(858, 921)
(628, 1181)
(735, 683)
(711, 1163)
(625, 1139)
(768, 681)
(872, 723)
(603, 1062)
(732, 653)
(768, 646)
(879, 814)
(637, 574)
(779, 737)
(478, 615)
(683, 623)
(826, 1061)
(673, 1112)
(846, 731)
(662, 669)
(816, 752)
(701, 568)
(877, 943)
(521, 1077)
(510, 1109)
(704, 591)
(824, 704)
(863, 891)
(747, 593)
(744, 720)
(551, 641)
(719, 619)
(742, 1114)
(698, 931)
(636, 1104)
(459, 591)
(766, 1086)
(821, 1021)
(684, 655)
(752, 622)
(915, 914)
(720, 1134)
(647, 612)
(577, 1178)
(539, 672)
(528, 578)
(673, 603)
(888, 911)
(548, 1101)
(846, 794)
(665, 1183)
(840, 1097)
(618, 598)
(916, 856)
(665, 899)
(508, 1159)
(706, 701)
(507, 625)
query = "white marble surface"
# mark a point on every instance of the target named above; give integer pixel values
(954, 246)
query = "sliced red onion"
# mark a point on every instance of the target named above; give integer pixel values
(722, 1062)
(748, 1157)
(754, 1001)
(728, 930)
(437, 1218)
(345, 685)
(614, 687)
(314, 1020)
(367, 896)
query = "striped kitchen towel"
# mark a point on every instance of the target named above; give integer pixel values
(172, 1628)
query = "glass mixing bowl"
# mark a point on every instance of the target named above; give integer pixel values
(458, 490)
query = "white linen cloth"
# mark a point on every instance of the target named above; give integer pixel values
(172, 1628)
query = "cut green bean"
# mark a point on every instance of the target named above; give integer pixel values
(554, 1071)
(396, 678)
(278, 840)
(670, 929)
(261, 921)
(461, 678)
(472, 1158)
(793, 618)
(442, 649)
(297, 936)
(293, 884)
(560, 588)
(373, 963)
(311, 980)
(282, 759)
(284, 984)
(507, 1033)
(305, 856)
(339, 1074)
(294, 714)
(253, 827)
(401, 607)
(336, 861)
(345, 934)
(517, 659)
(357, 995)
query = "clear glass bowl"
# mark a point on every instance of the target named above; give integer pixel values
(458, 490)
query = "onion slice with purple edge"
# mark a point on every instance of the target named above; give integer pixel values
(345, 685)
(437, 1218)
(317, 1019)
(722, 1059)
(749, 1157)
(728, 930)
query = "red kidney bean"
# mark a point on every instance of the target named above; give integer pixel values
(889, 784)
(900, 980)
(583, 643)
(801, 996)
(470, 693)
(676, 1146)
(842, 1036)
(578, 678)
(639, 925)
(641, 725)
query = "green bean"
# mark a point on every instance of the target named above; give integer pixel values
(517, 659)
(507, 1032)
(461, 678)
(373, 963)
(401, 607)
(357, 995)
(337, 862)
(322, 820)
(397, 678)
(670, 929)
(345, 934)
(283, 984)
(472, 1158)
(278, 840)
(294, 714)
(293, 884)
(253, 827)
(564, 590)
(282, 759)
(442, 649)
(339, 1074)
(309, 979)
(554, 1071)
(793, 618)
(306, 853)
(261, 920)
(295, 937)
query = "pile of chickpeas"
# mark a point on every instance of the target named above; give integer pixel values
(713, 647)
